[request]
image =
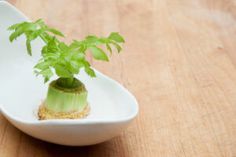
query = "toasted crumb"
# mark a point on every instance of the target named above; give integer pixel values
(44, 113)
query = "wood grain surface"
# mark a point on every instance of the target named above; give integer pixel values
(179, 61)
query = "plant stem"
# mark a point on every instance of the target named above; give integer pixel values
(69, 83)
(64, 99)
(43, 38)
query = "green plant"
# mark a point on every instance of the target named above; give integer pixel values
(64, 60)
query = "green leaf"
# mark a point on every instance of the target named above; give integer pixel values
(46, 79)
(12, 27)
(22, 28)
(75, 44)
(42, 65)
(40, 23)
(92, 40)
(56, 32)
(28, 45)
(46, 37)
(116, 37)
(65, 59)
(77, 55)
(81, 46)
(34, 34)
(75, 66)
(47, 74)
(90, 71)
(15, 34)
(109, 48)
(51, 56)
(52, 46)
(62, 71)
(98, 53)
(63, 47)
(44, 50)
(104, 40)
(29, 27)
(118, 47)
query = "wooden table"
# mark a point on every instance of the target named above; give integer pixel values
(179, 61)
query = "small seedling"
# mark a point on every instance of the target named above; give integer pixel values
(67, 96)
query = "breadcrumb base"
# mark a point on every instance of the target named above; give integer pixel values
(44, 114)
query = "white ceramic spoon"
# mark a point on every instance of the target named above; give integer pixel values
(112, 106)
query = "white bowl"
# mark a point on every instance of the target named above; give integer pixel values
(112, 106)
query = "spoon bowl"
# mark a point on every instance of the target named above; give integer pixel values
(21, 93)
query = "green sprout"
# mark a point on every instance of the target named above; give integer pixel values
(65, 60)
(67, 96)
